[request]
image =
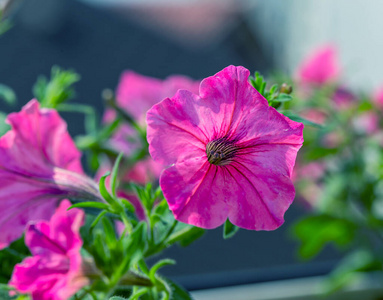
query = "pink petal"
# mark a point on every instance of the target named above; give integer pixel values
(39, 166)
(137, 93)
(21, 202)
(321, 67)
(173, 129)
(54, 272)
(260, 186)
(194, 194)
(38, 140)
(60, 236)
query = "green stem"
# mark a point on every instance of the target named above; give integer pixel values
(125, 220)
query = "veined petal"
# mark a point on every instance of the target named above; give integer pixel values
(37, 141)
(230, 99)
(194, 194)
(39, 166)
(173, 129)
(267, 126)
(262, 186)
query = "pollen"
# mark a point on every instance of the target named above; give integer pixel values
(221, 152)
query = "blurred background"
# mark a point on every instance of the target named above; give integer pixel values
(100, 39)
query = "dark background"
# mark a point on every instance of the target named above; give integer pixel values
(99, 45)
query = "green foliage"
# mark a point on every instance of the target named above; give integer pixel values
(4, 127)
(297, 118)
(5, 24)
(229, 230)
(315, 232)
(275, 95)
(7, 94)
(56, 90)
(11, 256)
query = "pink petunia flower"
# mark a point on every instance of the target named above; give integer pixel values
(321, 67)
(136, 94)
(39, 166)
(230, 154)
(54, 272)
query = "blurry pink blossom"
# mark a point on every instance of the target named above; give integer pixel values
(367, 122)
(343, 98)
(231, 155)
(378, 97)
(54, 272)
(39, 166)
(321, 67)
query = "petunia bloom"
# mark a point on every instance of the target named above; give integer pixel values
(136, 94)
(39, 166)
(321, 67)
(230, 154)
(54, 272)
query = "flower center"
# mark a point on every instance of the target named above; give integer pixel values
(221, 152)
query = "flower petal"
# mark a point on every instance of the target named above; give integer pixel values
(21, 202)
(173, 129)
(37, 141)
(262, 189)
(60, 236)
(194, 194)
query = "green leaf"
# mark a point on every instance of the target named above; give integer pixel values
(229, 230)
(96, 220)
(315, 153)
(110, 234)
(92, 204)
(4, 127)
(105, 194)
(297, 118)
(58, 89)
(7, 94)
(178, 292)
(186, 235)
(158, 265)
(316, 231)
(5, 24)
(117, 298)
(114, 176)
(283, 98)
(136, 243)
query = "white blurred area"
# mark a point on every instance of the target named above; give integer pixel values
(290, 29)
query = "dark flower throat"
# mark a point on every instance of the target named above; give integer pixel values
(221, 152)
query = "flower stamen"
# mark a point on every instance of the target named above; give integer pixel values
(220, 152)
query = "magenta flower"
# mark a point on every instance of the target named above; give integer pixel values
(136, 94)
(54, 272)
(39, 166)
(321, 67)
(230, 154)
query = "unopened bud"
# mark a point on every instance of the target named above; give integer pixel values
(286, 88)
